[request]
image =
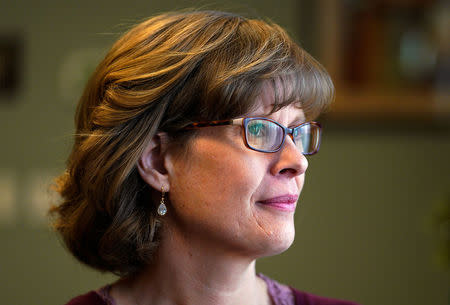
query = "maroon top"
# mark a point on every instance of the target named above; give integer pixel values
(280, 295)
(303, 298)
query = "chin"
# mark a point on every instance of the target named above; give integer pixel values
(277, 242)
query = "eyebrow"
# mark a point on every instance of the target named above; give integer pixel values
(298, 120)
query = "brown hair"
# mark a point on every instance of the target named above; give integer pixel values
(163, 74)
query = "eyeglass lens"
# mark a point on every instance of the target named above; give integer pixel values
(265, 135)
(307, 138)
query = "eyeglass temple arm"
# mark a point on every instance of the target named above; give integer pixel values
(214, 123)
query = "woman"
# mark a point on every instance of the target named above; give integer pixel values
(188, 161)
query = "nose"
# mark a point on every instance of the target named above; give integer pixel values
(290, 161)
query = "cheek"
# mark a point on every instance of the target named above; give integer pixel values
(213, 196)
(215, 177)
(212, 202)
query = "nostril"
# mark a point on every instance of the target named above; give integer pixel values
(287, 171)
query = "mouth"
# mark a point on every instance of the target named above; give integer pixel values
(285, 203)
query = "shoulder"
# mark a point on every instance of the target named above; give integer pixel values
(90, 298)
(304, 298)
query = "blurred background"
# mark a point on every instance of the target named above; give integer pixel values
(373, 219)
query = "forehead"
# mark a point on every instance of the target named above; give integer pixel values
(272, 102)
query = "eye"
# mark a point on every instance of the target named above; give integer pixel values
(300, 131)
(257, 129)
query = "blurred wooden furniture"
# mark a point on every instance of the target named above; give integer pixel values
(389, 58)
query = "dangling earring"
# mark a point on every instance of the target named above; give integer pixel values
(162, 209)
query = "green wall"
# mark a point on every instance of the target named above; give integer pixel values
(363, 229)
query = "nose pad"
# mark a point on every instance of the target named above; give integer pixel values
(298, 145)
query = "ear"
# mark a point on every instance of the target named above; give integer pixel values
(151, 163)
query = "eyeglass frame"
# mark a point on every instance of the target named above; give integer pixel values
(244, 122)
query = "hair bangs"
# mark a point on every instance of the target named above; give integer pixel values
(307, 85)
(266, 55)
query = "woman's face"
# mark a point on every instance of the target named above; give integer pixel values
(227, 196)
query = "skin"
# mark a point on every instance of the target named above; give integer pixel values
(215, 227)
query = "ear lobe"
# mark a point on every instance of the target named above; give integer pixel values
(151, 164)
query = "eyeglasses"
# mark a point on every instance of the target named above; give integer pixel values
(266, 135)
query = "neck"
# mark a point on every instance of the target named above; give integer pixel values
(188, 272)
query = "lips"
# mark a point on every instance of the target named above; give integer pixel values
(284, 203)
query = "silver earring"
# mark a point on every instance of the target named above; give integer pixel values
(162, 209)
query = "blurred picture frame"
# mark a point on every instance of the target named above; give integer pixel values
(11, 58)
